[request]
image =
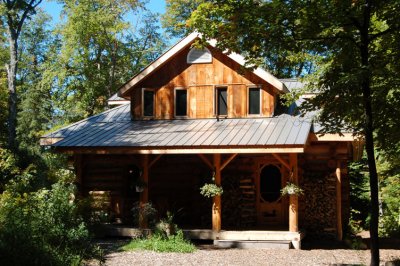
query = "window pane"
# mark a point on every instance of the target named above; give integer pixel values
(222, 104)
(270, 183)
(254, 101)
(181, 102)
(148, 105)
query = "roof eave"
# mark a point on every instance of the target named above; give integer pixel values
(183, 150)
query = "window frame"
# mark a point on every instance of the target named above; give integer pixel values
(216, 105)
(248, 100)
(187, 102)
(154, 102)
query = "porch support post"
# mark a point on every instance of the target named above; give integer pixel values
(216, 207)
(339, 201)
(293, 199)
(78, 164)
(144, 195)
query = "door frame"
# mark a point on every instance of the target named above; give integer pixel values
(283, 219)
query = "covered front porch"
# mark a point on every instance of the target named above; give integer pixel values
(172, 178)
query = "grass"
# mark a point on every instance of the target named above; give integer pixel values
(158, 243)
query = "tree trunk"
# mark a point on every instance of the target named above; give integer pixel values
(12, 68)
(369, 139)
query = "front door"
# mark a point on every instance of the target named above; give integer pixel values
(270, 203)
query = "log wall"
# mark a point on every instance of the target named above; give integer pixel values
(175, 180)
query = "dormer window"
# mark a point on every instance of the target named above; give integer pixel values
(199, 56)
(254, 101)
(148, 102)
(180, 102)
(221, 101)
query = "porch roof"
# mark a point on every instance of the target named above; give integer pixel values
(115, 129)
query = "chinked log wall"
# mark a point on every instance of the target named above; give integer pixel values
(175, 181)
(200, 80)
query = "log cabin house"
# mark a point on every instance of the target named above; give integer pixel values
(194, 112)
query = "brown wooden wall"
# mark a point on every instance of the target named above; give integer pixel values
(174, 182)
(200, 80)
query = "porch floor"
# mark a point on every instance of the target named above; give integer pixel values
(237, 236)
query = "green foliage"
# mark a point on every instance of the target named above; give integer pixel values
(359, 195)
(95, 52)
(176, 14)
(159, 243)
(389, 175)
(43, 226)
(144, 212)
(211, 190)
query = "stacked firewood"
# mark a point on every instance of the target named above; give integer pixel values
(319, 200)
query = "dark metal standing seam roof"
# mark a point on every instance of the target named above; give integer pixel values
(114, 128)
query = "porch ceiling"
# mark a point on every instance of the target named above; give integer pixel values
(114, 130)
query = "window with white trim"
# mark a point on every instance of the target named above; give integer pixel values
(221, 101)
(148, 102)
(181, 102)
(197, 56)
(254, 101)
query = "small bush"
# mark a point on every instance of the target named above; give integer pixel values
(42, 227)
(160, 243)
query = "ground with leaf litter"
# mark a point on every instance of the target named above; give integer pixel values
(320, 253)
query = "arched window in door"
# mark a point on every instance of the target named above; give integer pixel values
(270, 183)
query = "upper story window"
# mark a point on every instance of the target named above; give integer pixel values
(197, 56)
(221, 101)
(148, 102)
(254, 101)
(180, 102)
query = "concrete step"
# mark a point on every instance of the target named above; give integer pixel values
(253, 244)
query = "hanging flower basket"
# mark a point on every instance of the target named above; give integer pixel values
(140, 185)
(211, 190)
(139, 188)
(291, 189)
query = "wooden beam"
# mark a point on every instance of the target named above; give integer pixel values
(293, 199)
(283, 162)
(333, 137)
(144, 195)
(224, 164)
(339, 201)
(206, 161)
(135, 150)
(216, 208)
(155, 160)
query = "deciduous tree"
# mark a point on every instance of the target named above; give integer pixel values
(358, 42)
(14, 13)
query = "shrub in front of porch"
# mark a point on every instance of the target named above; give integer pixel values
(167, 237)
(159, 243)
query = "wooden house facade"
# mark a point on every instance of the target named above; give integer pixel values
(196, 113)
